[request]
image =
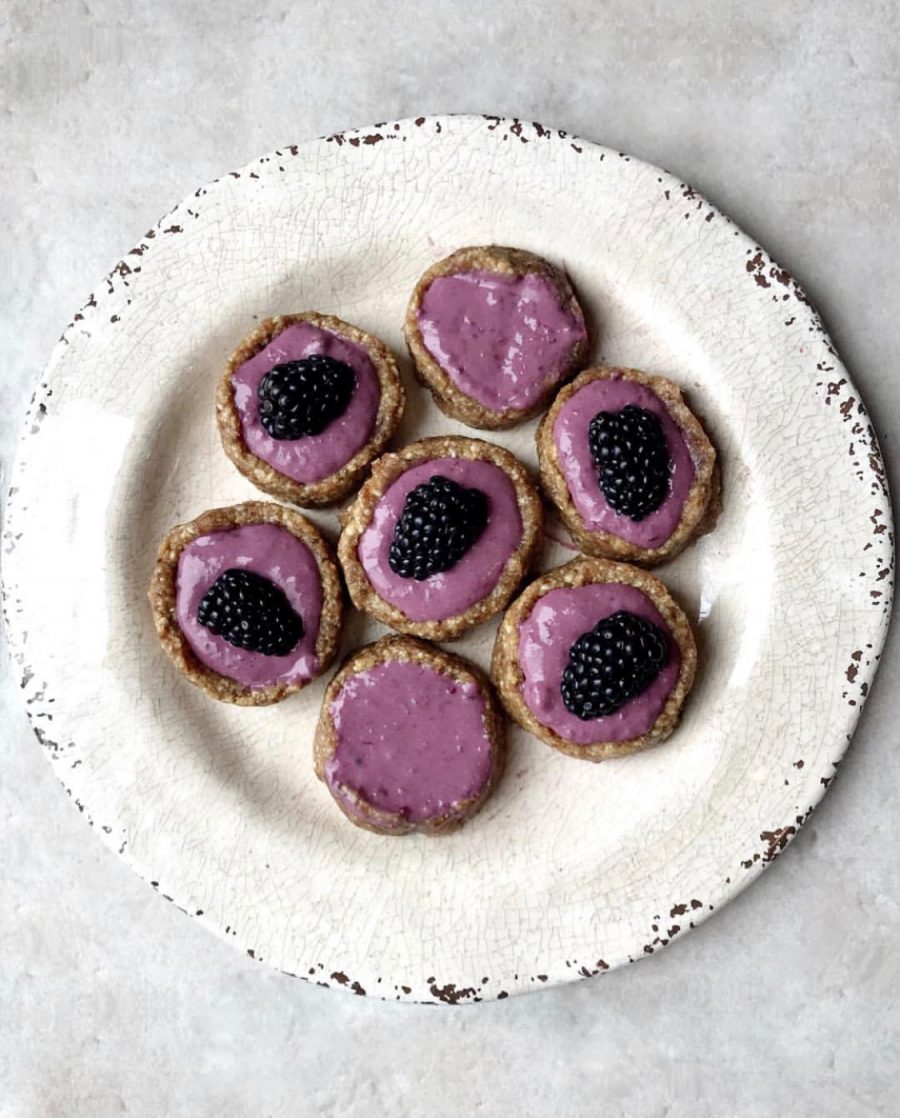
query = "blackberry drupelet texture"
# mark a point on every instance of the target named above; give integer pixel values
(303, 397)
(250, 612)
(611, 664)
(439, 523)
(632, 459)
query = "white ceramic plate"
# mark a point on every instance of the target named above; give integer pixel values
(571, 868)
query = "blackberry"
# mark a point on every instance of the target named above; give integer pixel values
(440, 522)
(611, 664)
(250, 612)
(629, 450)
(302, 397)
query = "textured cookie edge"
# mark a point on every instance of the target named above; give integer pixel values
(162, 594)
(330, 489)
(508, 676)
(384, 473)
(702, 506)
(504, 261)
(404, 648)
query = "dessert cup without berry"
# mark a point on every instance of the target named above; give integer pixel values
(410, 738)
(493, 332)
(247, 602)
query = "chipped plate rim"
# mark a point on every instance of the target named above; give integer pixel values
(839, 395)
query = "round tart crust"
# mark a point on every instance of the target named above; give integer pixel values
(384, 473)
(163, 598)
(505, 261)
(360, 812)
(328, 489)
(703, 503)
(509, 677)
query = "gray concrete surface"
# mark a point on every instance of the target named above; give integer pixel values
(786, 116)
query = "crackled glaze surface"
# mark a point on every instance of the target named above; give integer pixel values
(218, 807)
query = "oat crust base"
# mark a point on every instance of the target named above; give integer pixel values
(384, 473)
(162, 595)
(447, 395)
(509, 678)
(332, 488)
(703, 504)
(365, 815)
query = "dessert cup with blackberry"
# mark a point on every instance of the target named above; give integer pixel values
(410, 738)
(306, 402)
(493, 331)
(247, 602)
(628, 465)
(440, 536)
(596, 659)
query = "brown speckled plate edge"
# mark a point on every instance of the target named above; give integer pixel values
(862, 457)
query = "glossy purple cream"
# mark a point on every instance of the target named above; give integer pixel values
(476, 574)
(570, 433)
(545, 639)
(410, 740)
(312, 457)
(267, 550)
(501, 339)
